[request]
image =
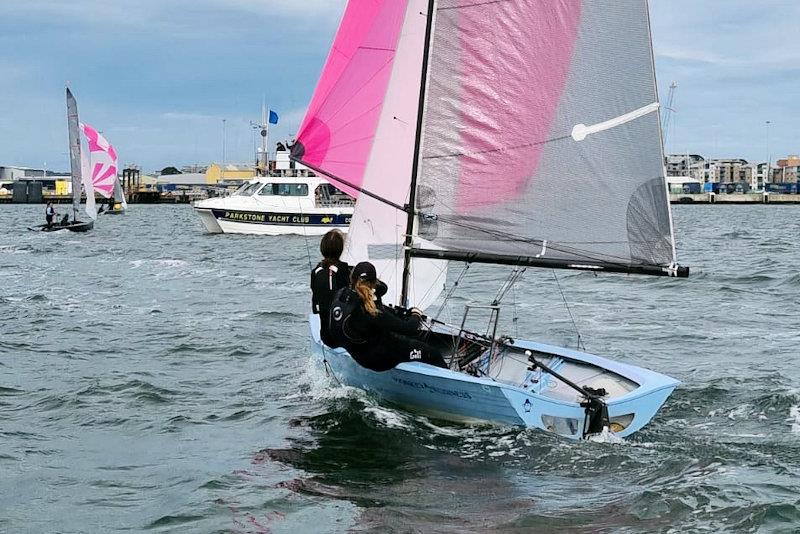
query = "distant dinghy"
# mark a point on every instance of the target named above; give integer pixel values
(80, 178)
(98, 172)
(103, 167)
(432, 113)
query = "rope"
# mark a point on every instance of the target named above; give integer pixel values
(512, 279)
(328, 370)
(581, 346)
(452, 290)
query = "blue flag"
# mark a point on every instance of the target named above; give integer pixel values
(273, 117)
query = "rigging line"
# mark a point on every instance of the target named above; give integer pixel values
(515, 274)
(328, 370)
(581, 346)
(430, 287)
(452, 289)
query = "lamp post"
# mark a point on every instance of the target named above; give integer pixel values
(768, 175)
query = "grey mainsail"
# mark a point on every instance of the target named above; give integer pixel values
(74, 153)
(541, 140)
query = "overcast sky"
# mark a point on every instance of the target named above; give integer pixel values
(159, 76)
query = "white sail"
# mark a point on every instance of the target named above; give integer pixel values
(377, 230)
(88, 186)
(119, 194)
(74, 152)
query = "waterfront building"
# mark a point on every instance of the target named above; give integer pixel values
(687, 165)
(786, 170)
(217, 173)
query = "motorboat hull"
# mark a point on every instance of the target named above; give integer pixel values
(224, 221)
(460, 397)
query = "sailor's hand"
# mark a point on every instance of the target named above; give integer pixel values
(416, 311)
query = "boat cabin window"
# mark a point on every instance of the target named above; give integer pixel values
(285, 190)
(329, 195)
(247, 189)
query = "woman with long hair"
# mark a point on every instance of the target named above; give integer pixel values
(375, 336)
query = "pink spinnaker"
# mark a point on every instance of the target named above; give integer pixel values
(337, 132)
(102, 161)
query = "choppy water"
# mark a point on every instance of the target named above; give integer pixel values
(154, 378)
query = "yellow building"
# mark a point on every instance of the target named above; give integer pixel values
(231, 173)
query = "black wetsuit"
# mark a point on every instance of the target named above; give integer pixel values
(49, 213)
(378, 342)
(325, 282)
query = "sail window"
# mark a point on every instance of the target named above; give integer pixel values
(285, 190)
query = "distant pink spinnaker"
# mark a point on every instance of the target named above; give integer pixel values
(103, 161)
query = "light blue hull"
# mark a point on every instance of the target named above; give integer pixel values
(460, 397)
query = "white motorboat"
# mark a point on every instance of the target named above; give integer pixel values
(277, 205)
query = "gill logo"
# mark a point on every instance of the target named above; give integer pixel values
(326, 220)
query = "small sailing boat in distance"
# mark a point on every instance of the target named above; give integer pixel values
(468, 142)
(102, 168)
(79, 178)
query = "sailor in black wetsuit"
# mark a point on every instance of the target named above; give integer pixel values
(328, 277)
(375, 336)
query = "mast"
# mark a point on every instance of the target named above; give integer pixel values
(412, 196)
(74, 153)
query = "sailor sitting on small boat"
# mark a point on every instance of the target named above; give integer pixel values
(375, 336)
(329, 276)
(65, 220)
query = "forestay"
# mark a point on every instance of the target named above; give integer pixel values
(541, 136)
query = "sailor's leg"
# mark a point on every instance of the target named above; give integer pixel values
(415, 350)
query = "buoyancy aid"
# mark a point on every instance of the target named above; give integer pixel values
(325, 282)
(345, 303)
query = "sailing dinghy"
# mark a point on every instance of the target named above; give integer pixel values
(524, 133)
(102, 167)
(80, 177)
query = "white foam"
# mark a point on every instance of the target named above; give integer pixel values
(607, 436)
(388, 417)
(794, 418)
